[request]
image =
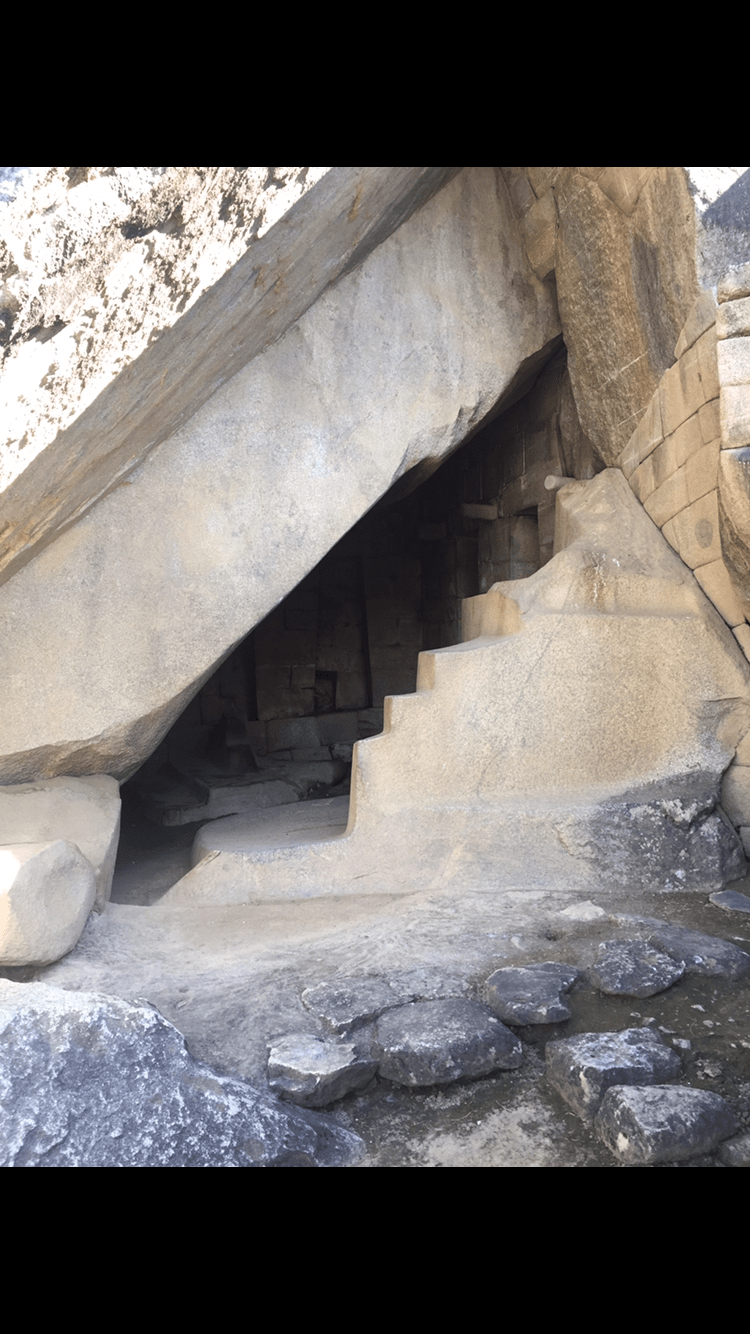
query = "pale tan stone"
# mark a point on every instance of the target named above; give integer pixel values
(734, 361)
(697, 531)
(542, 177)
(681, 391)
(47, 891)
(709, 418)
(733, 319)
(716, 584)
(706, 347)
(643, 480)
(515, 739)
(734, 517)
(593, 173)
(624, 185)
(701, 317)
(742, 753)
(178, 565)
(735, 793)
(702, 470)
(645, 438)
(742, 635)
(668, 531)
(668, 499)
(85, 811)
(676, 449)
(539, 226)
(735, 416)
(606, 262)
(736, 284)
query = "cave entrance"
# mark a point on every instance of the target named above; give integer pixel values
(278, 719)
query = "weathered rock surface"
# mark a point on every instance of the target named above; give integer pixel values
(662, 1125)
(530, 995)
(47, 891)
(438, 1042)
(584, 1067)
(633, 968)
(349, 1002)
(314, 1072)
(130, 294)
(84, 811)
(285, 456)
(534, 746)
(94, 1081)
(731, 900)
(708, 956)
(620, 241)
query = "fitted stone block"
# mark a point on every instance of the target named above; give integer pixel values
(668, 499)
(733, 319)
(734, 361)
(701, 317)
(696, 531)
(702, 469)
(716, 584)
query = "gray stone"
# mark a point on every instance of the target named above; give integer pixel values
(530, 995)
(735, 1152)
(709, 956)
(438, 1042)
(633, 968)
(351, 1001)
(95, 1081)
(314, 1072)
(662, 1124)
(245, 494)
(47, 891)
(584, 1067)
(731, 900)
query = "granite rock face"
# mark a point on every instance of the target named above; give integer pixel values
(153, 586)
(94, 1081)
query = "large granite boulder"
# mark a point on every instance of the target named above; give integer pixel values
(95, 1081)
(84, 811)
(120, 619)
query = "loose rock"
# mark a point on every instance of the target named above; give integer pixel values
(708, 956)
(314, 1073)
(47, 891)
(95, 1081)
(660, 1125)
(632, 968)
(732, 900)
(438, 1042)
(735, 1152)
(351, 1001)
(584, 1067)
(531, 995)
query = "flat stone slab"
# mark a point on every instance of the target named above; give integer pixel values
(351, 1001)
(633, 968)
(731, 900)
(438, 1042)
(95, 1081)
(662, 1124)
(314, 1072)
(708, 956)
(530, 995)
(584, 1067)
